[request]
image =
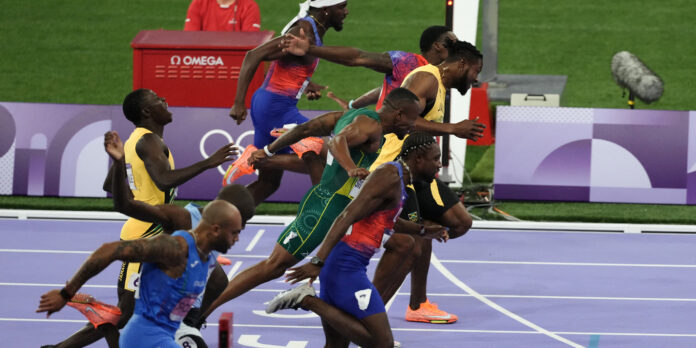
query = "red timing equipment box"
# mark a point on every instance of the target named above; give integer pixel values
(194, 68)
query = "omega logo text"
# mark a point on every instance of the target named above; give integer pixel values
(199, 60)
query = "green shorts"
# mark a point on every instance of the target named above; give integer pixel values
(317, 212)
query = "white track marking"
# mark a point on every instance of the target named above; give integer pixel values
(285, 316)
(552, 297)
(49, 251)
(57, 285)
(255, 240)
(44, 251)
(435, 262)
(234, 270)
(539, 263)
(583, 264)
(388, 305)
(317, 327)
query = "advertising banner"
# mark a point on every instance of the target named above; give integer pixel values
(57, 149)
(595, 155)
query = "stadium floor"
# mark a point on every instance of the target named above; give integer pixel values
(509, 289)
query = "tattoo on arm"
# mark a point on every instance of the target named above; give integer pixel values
(164, 249)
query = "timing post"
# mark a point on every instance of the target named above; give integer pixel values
(225, 337)
(444, 175)
(462, 17)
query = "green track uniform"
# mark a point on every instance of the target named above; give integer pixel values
(323, 202)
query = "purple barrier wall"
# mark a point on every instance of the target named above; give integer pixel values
(57, 149)
(595, 155)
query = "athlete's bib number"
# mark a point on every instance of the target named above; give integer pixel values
(182, 308)
(356, 188)
(131, 180)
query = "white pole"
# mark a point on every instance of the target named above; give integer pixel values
(464, 24)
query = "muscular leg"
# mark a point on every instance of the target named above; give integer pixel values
(267, 183)
(459, 222)
(334, 339)
(371, 331)
(271, 268)
(419, 274)
(310, 163)
(400, 252)
(284, 161)
(88, 334)
(315, 165)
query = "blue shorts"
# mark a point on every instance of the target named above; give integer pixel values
(142, 332)
(344, 283)
(270, 110)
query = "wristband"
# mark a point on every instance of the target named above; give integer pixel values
(350, 103)
(268, 152)
(65, 295)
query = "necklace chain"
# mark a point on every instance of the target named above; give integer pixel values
(195, 241)
(410, 174)
(317, 21)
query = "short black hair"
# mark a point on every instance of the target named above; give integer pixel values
(431, 35)
(416, 143)
(461, 49)
(133, 104)
(241, 198)
(398, 97)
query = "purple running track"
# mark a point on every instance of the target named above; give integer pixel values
(591, 289)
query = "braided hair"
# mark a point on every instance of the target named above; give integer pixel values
(416, 143)
(461, 49)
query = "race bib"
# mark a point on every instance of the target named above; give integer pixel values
(356, 188)
(133, 277)
(182, 308)
(131, 180)
(329, 158)
(302, 89)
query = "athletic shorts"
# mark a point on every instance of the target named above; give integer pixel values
(270, 110)
(434, 199)
(129, 276)
(141, 332)
(344, 283)
(317, 211)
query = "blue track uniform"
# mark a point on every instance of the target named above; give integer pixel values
(162, 302)
(274, 104)
(343, 279)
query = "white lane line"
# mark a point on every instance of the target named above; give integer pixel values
(253, 243)
(389, 304)
(57, 285)
(234, 269)
(637, 334)
(642, 334)
(571, 263)
(49, 251)
(553, 297)
(255, 240)
(44, 251)
(435, 262)
(49, 285)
